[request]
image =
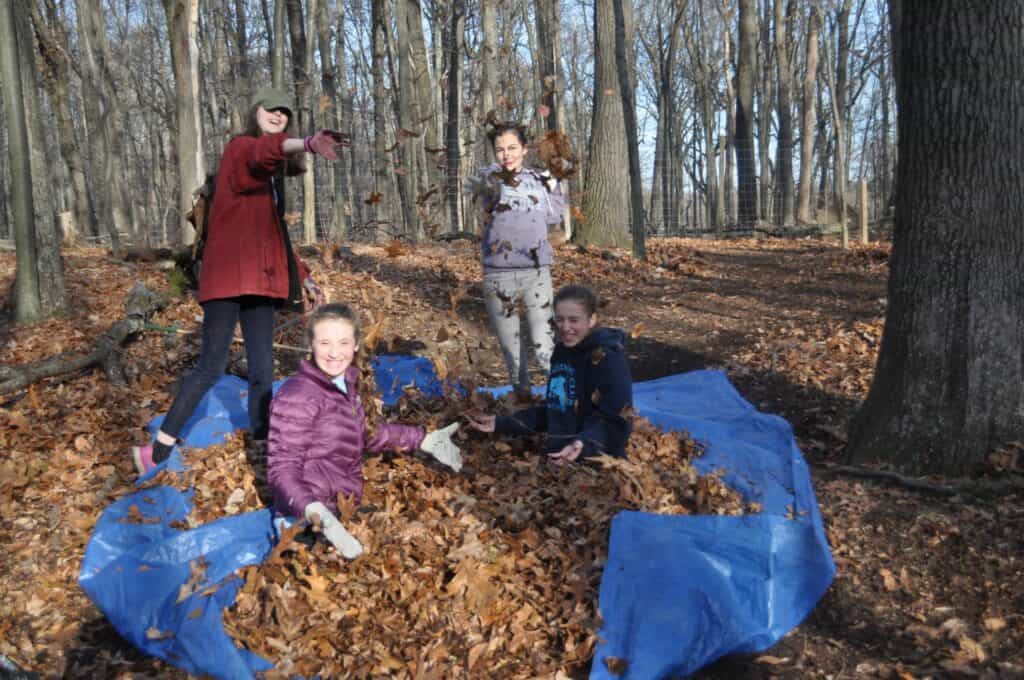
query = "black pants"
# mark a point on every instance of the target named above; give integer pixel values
(256, 314)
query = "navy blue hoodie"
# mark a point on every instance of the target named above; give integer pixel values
(590, 392)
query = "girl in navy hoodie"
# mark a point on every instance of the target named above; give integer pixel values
(590, 390)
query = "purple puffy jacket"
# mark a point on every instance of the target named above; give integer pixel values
(317, 439)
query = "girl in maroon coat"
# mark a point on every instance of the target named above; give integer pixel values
(319, 429)
(249, 268)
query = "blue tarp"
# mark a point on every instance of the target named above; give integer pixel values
(677, 592)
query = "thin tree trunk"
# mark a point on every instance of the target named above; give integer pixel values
(454, 157)
(183, 28)
(746, 61)
(809, 122)
(277, 45)
(623, 64)
(405, 98)
(103, 116)
(729, 204)
(382, 178)
(784, 13)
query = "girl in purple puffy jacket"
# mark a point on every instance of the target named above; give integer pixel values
(319, 429)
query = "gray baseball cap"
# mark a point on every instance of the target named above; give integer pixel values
(271, 98)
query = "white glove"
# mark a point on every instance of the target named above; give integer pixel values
(344, 542)
(549, 181)
(439, 444)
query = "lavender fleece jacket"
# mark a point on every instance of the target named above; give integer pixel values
(317, 439)
(516, 229)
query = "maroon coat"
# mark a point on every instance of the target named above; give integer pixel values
(317, 439)
(245, 251)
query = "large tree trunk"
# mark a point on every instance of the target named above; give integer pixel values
(27, 305)
(949, 385)
(784, 13)
(746, 169)
(606, 194)
(49, 265)
(808, 110)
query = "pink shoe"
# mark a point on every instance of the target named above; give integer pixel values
(143, 458)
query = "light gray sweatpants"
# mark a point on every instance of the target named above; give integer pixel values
(505, 293)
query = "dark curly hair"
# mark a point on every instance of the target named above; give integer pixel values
(499, 128)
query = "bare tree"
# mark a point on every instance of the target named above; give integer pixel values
(745, 166)
(808, 123)
(784, 14)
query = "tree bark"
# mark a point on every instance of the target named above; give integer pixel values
(408, 150)
(49, 264)
(606, 197)
(453, 156)
(949, 384)
(277, 45)
(182, 29)
(808, 125)
(784, 13)
(302, 61)
(381, 162)
(53, 36)
(623, 66)
(27, 305)
(103, 117)
(746, 169)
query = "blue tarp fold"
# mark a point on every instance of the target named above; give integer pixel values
(676, 594)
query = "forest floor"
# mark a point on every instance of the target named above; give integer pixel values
(927, 586)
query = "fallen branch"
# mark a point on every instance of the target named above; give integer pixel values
(141, 305)
(972, 487)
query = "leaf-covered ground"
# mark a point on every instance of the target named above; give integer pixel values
(927, 586)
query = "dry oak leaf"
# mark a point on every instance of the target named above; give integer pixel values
(615, 665)
(153, 633)
(373, 199)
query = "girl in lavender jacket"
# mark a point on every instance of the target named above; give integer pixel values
(518, 204)
(319, 429)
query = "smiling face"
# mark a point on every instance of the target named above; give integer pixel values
(573, 322)
(510, 151)
(273, 121)
(334, 346)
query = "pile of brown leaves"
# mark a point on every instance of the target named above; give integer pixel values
(495, 568)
